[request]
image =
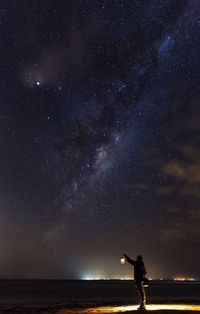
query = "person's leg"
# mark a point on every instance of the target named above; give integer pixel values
(142, 294)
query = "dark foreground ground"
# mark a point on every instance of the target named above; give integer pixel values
(69, 297)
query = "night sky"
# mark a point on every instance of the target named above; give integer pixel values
(99, 134)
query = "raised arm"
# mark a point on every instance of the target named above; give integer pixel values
(129, 260)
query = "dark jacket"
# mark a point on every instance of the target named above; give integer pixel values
(139, 269)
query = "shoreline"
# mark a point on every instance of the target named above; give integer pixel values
(86, 297)
(108, 309)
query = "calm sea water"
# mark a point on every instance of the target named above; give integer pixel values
(52, 292)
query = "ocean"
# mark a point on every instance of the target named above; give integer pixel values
(88, 293)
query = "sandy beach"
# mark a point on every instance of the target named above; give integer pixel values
(109, 309)
(154, 308)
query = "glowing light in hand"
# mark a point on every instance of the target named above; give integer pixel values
(122, 260)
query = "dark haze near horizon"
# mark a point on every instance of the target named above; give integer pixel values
(99, 133)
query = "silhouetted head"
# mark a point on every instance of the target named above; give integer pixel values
(139, 258)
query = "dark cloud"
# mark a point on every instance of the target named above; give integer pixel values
(183, 229)
(186, 172)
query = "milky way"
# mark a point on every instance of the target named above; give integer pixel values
(99, 120)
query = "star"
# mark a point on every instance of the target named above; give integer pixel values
(100, 102)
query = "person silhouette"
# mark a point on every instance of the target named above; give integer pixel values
(139, 273)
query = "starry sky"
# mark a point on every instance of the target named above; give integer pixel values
(99, 133)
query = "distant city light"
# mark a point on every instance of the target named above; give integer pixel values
(184, 279)
(111, 277)
(87, 277)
